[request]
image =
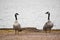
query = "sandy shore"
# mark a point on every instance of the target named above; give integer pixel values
(32, 36)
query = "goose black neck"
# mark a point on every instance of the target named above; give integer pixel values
(15, 17)
(49, 16)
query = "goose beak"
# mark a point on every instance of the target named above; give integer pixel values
(46, 12)
(18, 14)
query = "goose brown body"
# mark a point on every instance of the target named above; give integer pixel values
(16, 25)
(48, 25)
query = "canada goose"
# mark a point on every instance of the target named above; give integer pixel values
(48, 25)
(16, 25)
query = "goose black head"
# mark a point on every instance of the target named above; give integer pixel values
(47, 12)
(16, 14)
